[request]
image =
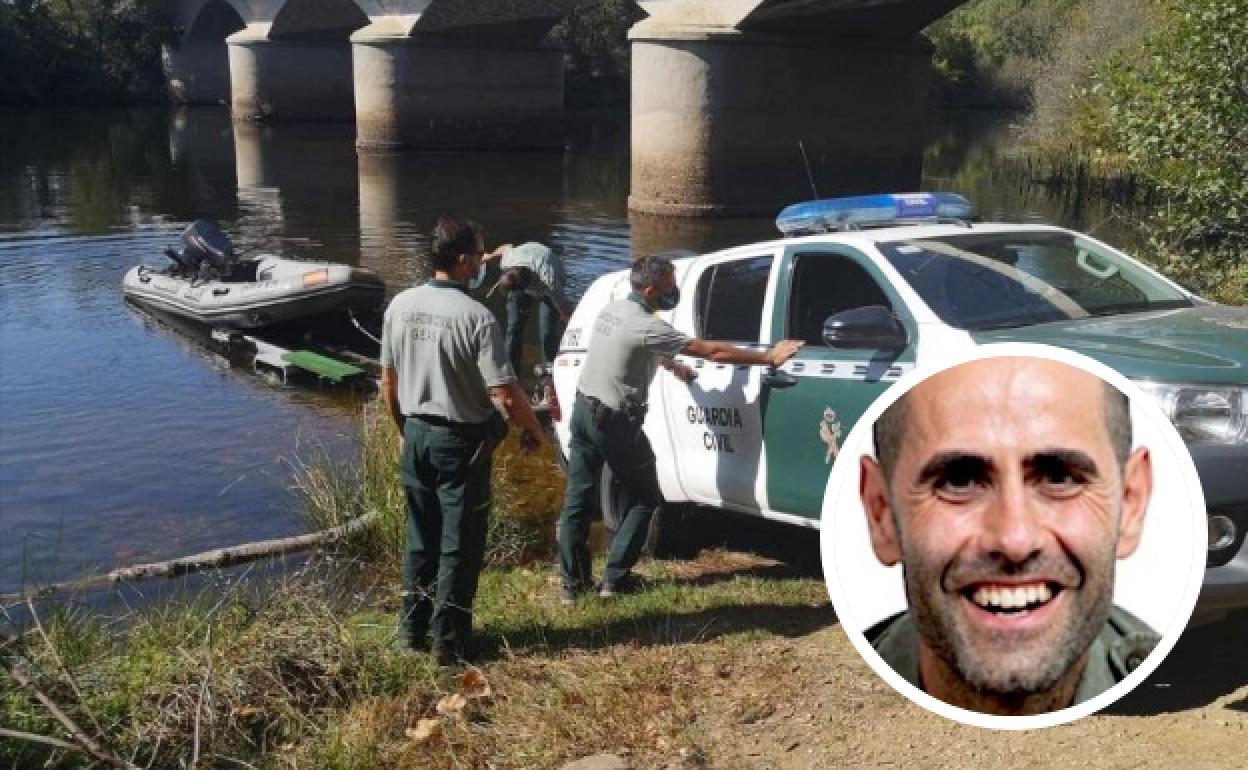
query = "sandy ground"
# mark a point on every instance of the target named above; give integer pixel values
(811, 701)
(804, 698)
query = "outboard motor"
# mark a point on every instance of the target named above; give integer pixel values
(206, 244)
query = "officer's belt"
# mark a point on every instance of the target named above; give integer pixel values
(443, 422)
(596, 408)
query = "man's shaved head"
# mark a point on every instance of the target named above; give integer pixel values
(890, 429)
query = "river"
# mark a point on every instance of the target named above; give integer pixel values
(122, 440)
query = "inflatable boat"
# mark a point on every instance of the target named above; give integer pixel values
(207, 283)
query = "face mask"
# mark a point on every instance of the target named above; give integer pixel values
(669, 299)
(478, 279)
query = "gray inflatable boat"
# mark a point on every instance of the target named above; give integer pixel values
(207, 283)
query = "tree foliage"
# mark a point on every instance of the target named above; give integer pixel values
(1174, 112)
(989, 51)
(82, 51)
(595, 37)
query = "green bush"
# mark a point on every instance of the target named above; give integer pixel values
(595, 38)
(988, 52)
(1174, 112)
(81, 51)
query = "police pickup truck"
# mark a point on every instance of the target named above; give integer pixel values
(879, 285)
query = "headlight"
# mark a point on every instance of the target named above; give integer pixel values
(1204, 414)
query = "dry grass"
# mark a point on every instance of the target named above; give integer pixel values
(300, 670)
(528, 493)
(232, 672)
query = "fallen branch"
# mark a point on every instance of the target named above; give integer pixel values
(33, 738)
(220, 557)
(81, 739)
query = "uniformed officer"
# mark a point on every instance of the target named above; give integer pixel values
(1007, 488)
(532, 272)
(628, 344)
(442, 362)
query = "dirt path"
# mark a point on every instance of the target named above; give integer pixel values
(812, 702)
(808, 700)
(802, 698)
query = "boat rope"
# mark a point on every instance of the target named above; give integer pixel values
(358, 325)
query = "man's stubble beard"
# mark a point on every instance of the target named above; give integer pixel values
(999, 669)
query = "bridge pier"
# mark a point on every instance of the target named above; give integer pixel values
(288, 80)
(425, 91)
(718, 115)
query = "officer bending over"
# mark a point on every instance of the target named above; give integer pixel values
(628, 344)
(532, 272)
(442, 362)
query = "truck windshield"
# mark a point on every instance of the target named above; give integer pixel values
(984, 281)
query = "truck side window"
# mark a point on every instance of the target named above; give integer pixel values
(730, 299)
(826, 284)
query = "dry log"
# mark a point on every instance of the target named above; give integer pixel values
(217, 558)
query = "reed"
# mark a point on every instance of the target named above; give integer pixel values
(527, 492)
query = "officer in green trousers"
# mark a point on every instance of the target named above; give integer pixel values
(444, 367)
(628, 345)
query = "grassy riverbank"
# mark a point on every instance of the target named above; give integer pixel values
(302, 671)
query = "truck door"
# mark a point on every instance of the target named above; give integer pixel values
(807, 414)
(715, 423)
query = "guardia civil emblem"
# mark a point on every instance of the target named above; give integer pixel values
(830, 433)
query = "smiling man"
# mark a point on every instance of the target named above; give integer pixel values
(1007, 489)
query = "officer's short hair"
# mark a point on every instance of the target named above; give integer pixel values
(450, 239)
(889, 430)
(648, 270)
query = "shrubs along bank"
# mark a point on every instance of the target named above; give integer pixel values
(1163, 102)
(1144, 102)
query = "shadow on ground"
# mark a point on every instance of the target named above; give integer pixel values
(686, 531)
(664, 628)
(1209, 662)
(790, 553)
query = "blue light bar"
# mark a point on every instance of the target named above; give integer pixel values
(829, 214)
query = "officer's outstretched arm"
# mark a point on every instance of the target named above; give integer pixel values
(516, 406)
(725, 353)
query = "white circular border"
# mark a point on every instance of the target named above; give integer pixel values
(845, 471)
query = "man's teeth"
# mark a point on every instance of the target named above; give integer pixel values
(1000, 597)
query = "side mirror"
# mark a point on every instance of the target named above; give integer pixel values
(872, 326)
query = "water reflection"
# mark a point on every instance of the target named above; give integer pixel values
(513, 195)
(981, 159)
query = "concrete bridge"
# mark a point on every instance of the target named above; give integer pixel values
(737, 105)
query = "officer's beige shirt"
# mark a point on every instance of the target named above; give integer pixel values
(624, 352)
(447, 349)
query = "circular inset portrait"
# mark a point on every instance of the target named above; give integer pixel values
(1016, 539)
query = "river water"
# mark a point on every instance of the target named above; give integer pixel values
(122, 440)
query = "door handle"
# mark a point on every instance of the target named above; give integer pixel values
(778, 378)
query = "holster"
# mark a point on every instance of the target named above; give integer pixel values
(627, 419)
